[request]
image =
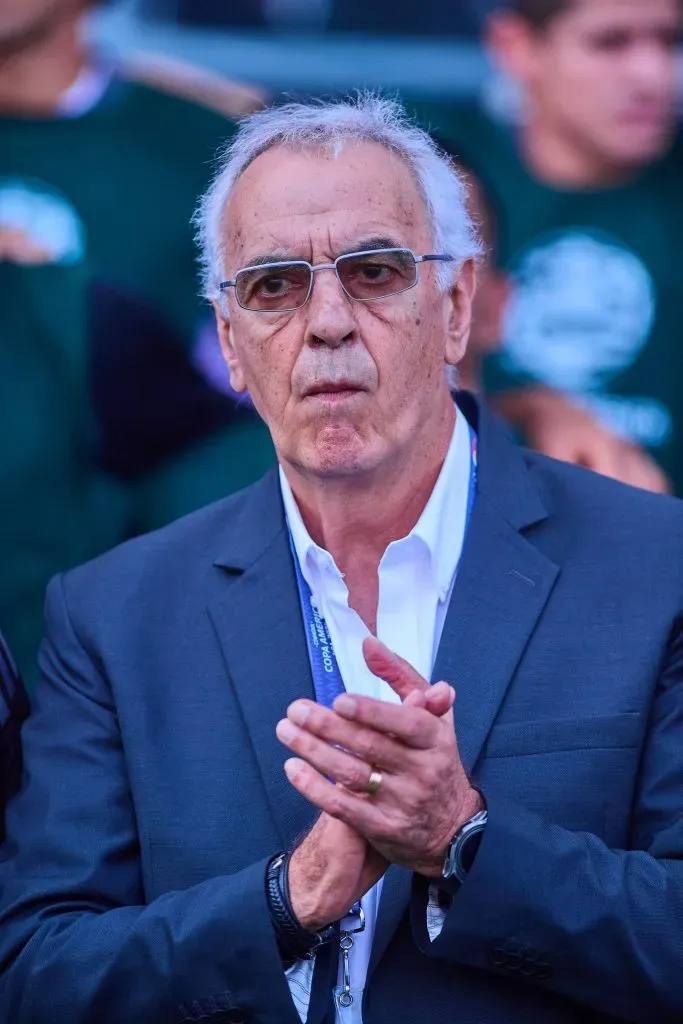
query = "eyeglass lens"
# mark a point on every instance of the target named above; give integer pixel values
(285, 286)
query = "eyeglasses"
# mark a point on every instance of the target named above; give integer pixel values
(364, 276)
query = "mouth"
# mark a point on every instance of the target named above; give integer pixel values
(333, 391)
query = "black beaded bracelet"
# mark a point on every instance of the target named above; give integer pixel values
(293, 940)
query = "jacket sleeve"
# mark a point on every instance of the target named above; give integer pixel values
(78, 942)
(559, 909)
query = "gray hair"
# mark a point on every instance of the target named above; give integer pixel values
(327, 126)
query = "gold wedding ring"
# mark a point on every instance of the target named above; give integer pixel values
(374, 782)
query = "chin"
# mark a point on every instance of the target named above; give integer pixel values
(639, 146)
(338, 450)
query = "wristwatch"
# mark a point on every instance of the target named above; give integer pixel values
(462, 850)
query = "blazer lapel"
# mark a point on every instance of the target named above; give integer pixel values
(501, 589)
(256, 615)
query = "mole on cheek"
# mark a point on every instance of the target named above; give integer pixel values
(418, 321)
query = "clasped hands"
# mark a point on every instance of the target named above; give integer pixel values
(424, 796)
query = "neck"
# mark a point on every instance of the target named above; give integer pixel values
(34, 78)
(564, 162)
(356, 519)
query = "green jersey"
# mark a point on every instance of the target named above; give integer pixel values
(58, 508)
(119, 182)
(106, 194)
(597, 302)
(106, 429)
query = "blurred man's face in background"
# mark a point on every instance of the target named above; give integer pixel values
(601, 73)
(23, 22)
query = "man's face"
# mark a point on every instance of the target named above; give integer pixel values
(603, 73)
(387, 356)
(24, 21)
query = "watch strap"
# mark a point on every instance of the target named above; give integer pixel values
(293, 940)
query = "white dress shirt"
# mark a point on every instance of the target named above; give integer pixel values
(416, 577)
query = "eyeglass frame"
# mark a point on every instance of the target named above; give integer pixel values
(314, 267)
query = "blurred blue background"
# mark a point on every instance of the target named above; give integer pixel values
(426, 50)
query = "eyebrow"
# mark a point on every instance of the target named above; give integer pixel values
(370, 244)
(363, 245)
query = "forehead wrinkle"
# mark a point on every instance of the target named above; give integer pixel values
(283, 255)
(394, 216)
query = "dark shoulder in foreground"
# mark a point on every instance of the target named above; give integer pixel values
(12, 696)
(14, 708)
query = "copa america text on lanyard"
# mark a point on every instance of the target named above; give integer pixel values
(329, 684)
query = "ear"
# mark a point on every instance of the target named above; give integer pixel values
(510, 41)
(461, 297)
(225, 337)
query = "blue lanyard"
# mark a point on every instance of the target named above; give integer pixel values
(327, 678)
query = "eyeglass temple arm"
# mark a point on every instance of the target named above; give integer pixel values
(435, 256)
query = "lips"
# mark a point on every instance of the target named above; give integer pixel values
(337, 387)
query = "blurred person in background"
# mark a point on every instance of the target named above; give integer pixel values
(125, 149)
(617, 456)
(589, 198)
(493, 286)
(13, 712)
(97, 399)
(111, 424)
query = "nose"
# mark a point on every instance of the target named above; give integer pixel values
(330, 316)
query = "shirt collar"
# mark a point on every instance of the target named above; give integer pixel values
(441, 526)
(443, 521)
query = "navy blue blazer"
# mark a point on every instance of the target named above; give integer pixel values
(132, 882)
(14, 708)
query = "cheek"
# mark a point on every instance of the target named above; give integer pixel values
(266, 354)
(406, 349)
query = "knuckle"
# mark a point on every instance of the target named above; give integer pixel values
(303, 742)
(366, 743)
(415, 727)
(359, 775)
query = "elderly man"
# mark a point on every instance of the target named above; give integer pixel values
(517, 862)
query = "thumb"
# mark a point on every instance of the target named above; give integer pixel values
(394, 670)
(439, 699)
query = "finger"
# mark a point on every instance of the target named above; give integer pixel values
(358, 812)
(332, 762)
(394, 670)
(416, 699)
(373, 747)
(439, 699)
(415, 727)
